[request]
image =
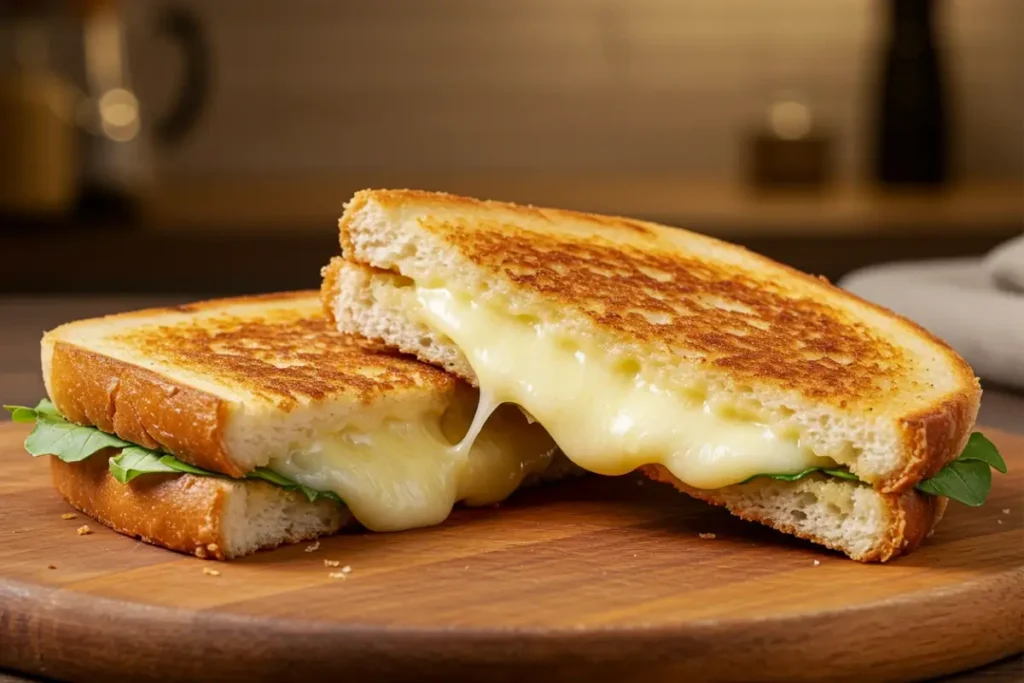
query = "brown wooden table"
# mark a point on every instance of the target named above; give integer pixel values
(23, 320)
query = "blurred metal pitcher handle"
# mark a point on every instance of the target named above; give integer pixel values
(182, 26)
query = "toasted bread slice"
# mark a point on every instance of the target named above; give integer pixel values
(852, 518)
(208, 517)
(693, 315)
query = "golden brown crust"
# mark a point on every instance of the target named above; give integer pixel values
(179, 512)
(734, 320)
(284, 351)
(913, 516)
(285, 354)
(140, 406)
(916, 514)
(281, 347)
(939, 433)
(329, 287)
(711, 303)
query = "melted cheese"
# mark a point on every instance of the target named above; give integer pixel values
(407, 473)
(606, 420)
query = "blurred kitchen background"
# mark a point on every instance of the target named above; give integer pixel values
(208, 147)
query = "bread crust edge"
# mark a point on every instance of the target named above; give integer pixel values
(140, 406)
(937, 434)
(184, 513)
(912, 516)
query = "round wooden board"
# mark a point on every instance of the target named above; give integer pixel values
(597, 579)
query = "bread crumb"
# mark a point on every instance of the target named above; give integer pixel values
(332, 563)
(210, 572)
(346, 569)
(84, 530)
(201, 553)
(999, 521)
(1006, 511)
(707, 537)
(337, 575)
(313, 547)
(816, 563)
(51, 566)
(69, 515)
(213, 547)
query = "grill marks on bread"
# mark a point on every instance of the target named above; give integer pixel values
(696, 308)
(284, 356)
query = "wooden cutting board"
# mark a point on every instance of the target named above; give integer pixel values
(595, 580)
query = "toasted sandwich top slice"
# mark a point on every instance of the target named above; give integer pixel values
(251, 358)
(266, 382)
(671, 338)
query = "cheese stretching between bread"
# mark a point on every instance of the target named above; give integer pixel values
(608, 420)
(407, 471)
(604, 415)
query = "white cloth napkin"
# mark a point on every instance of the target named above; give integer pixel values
(975, 304)
(1005, 265)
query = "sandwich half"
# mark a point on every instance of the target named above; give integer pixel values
(223, 427)
(736, 379)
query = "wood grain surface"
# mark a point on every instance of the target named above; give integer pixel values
(599, 580)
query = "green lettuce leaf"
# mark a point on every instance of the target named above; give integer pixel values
(135, 461)
(981, 449)
(274, 478)
(21, 413)
(838, 472)
(26, 414)
(53, 435)
(967, 479)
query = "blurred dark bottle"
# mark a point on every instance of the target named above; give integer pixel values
(911, 145)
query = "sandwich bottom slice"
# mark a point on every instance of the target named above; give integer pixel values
(229, 426)
(210, 517)
(853, 518)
